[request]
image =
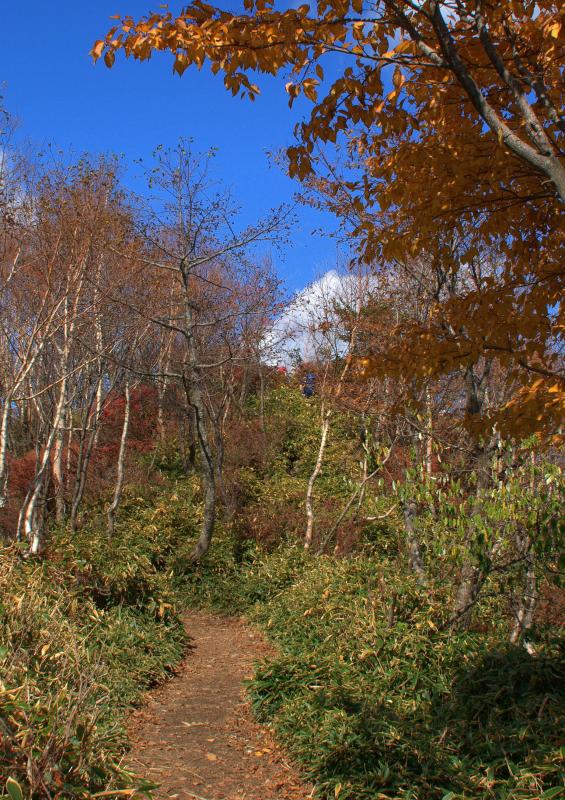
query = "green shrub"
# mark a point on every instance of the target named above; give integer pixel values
(81, 636)
(393, 708)
(373, 700)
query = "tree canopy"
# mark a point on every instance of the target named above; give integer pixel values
(451, 115)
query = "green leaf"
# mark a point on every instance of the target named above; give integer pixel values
(14, 790)
(555, 791)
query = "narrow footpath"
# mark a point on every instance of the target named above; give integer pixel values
(195, 735)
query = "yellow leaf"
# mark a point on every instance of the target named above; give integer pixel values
(96, 51)
(397, 78)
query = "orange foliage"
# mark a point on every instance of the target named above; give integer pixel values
(452, 114)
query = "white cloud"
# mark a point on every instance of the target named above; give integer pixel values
(298, 329)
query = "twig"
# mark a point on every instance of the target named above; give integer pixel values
(382, 516)
(196, 796)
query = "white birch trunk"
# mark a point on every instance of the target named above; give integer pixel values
(528, 602)
(100, 362)
(4, 452)
(58, 477)
(325, 427)
(111, 514)
(30, 521)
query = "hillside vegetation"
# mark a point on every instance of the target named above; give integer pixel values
(371, 690)
(371, 471)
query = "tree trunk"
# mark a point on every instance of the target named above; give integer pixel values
(163, 366)
(83, 461)
(84, 453)
(466, 595)
(69, 450)
(31, 520)
(4, 452)
(527, 607)
(207, 472)
(160, 412)
(111, 514)
(244, 390)
(309, 535)
(471, 576)
(325, 417)
(194, 395)
(58, 471)
(188, 444)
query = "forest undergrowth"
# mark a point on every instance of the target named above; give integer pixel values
(375, 704)
(82, 635)
(371, 691)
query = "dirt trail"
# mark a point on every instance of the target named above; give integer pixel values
(195, 735)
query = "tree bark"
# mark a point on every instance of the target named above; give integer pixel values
(466, 595)
(83, 461)
(261, 398)
(195, 398)
(528, 602)
(58, 477)
(32, 528)
(471, 576)
(325, 427)
(111, 514)
(4, 452)
(85, 451)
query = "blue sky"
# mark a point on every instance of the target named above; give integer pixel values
(50, 84)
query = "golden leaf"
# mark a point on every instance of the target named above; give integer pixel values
(96, 51)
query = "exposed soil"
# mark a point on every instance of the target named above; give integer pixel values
(195, 735)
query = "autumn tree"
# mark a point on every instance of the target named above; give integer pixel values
(66, 348)
(215, 302)
(66, 382)
(451, 112)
